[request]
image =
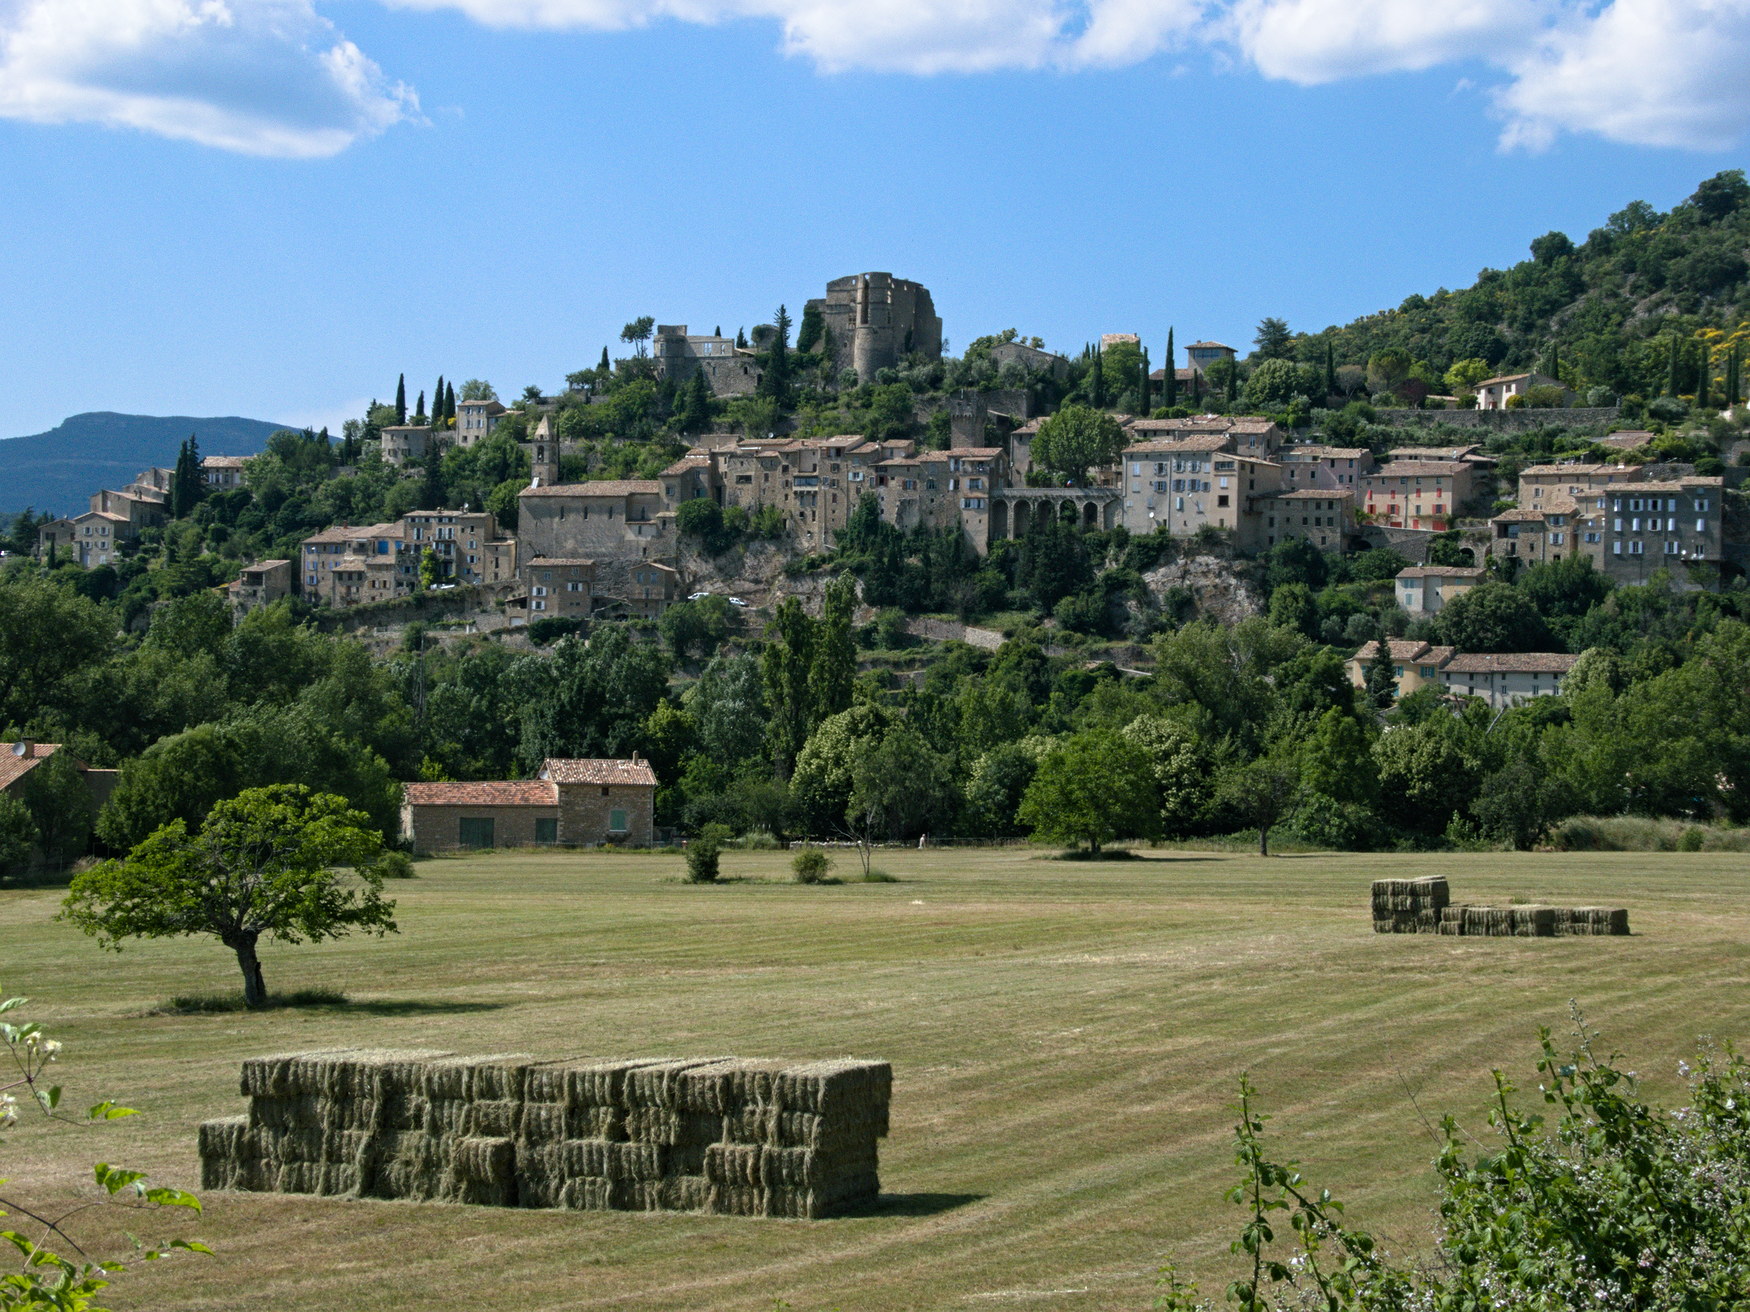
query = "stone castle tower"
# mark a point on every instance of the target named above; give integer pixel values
(875, 320)
(543, 449)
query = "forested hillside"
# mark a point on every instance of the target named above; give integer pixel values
(1609, 304)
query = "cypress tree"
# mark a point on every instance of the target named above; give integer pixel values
(431, 491)
(1097, 381)
(740, 339)
(1734, 376)
(437, 403)
(1170, 386)
(449, 405)
(1702, 380)
(1330, 369)
(1142, 384)
(1671, 375)
(419, 412)
(717, 331)
(401, 399)
(605, 366)
(1196, 388)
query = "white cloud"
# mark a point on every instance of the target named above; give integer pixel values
(1314, 41)
(1645, 72)
(261, 77)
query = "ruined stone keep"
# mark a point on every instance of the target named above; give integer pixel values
(875, 320)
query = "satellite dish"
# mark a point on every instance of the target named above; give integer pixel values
(21, 748)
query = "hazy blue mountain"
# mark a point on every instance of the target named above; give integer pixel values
(60, 469)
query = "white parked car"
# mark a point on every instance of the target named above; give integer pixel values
(697, 596)
(737, 601)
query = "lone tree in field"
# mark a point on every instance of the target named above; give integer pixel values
(281, 861)
(1090, 789)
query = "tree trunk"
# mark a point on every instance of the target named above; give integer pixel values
(254, 988)
(1263, 840)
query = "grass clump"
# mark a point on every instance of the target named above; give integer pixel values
(811, 866)
(703, 853)
(202, 1004)
(875, 876)
(758, 840)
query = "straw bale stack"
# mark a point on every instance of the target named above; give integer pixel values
(1424, 906)
(717, 1134)
(1409, 906)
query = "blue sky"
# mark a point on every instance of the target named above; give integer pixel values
(272, 207)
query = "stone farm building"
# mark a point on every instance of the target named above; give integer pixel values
(571, 803)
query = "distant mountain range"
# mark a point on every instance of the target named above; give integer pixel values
(60, 469)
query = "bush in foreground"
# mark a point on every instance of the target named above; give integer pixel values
(1610, 1203)
(811, 866)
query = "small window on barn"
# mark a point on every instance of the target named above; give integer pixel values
(604, 790)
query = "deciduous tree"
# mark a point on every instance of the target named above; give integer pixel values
(280, 862)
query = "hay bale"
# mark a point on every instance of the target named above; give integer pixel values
(1600, 920)
(734, 1163)
(404, 1165)
(845, 1087)
(738, 1200)
(685, 1193)
(592, 1194)
(540, 1173)
(752, 1123)
(481, 1171)
(285, 1074)
(495, 1118)
(541, 1122)
(658, 1083)
(614, 1161)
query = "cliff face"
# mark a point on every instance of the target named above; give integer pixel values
(1221, 590)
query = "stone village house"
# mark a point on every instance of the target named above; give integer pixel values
(570, 803)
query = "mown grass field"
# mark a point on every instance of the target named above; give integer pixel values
(1065, 1038)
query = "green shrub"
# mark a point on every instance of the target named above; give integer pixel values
(875, 876)
(811, 865)
(396, 865)
(1634, 833)
(703, 852)
(758, 840)
(1692, 838)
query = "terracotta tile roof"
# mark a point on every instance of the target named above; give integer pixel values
(1562, 471)
(222, 462)
(18, 759)
(1442, 572)
(1184, 445)
(585, 771)
(1323, 453)
(343, 533)
(1194, 345)
(1304, 494)
(1399, 468)
(548, 562)
(1253, 425)
(1520, 662)
(607, 487)
(1616, 489)
(1431, 452)
(1401, 649)
(976, 452)
(502, 792)
(686, 463)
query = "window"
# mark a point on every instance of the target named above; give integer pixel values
(546, 830)
(474, 831)
(1636, 548)
(1221, 500)
(617, 821)
(1701, 526)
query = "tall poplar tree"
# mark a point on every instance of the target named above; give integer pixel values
(401, 399)
(784, 669)
(834, 664)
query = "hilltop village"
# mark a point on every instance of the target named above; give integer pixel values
(1245, 482)
(1469, 572)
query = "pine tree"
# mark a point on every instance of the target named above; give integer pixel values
(1142, 384)
(1330, 369)
(419, 412)
(401, 399)
(1381, 681)
(1170, 386)
(431, 490)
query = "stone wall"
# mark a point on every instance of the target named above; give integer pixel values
(719, 1135)
(585, 810)
(438, 828)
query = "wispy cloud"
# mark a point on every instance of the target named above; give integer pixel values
(261, 77)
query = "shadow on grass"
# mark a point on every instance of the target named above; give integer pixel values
(914, 1204)
(207, 1004)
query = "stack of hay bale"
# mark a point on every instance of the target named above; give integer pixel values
(1424, 906)
(723, 1135)
(1409, 906)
